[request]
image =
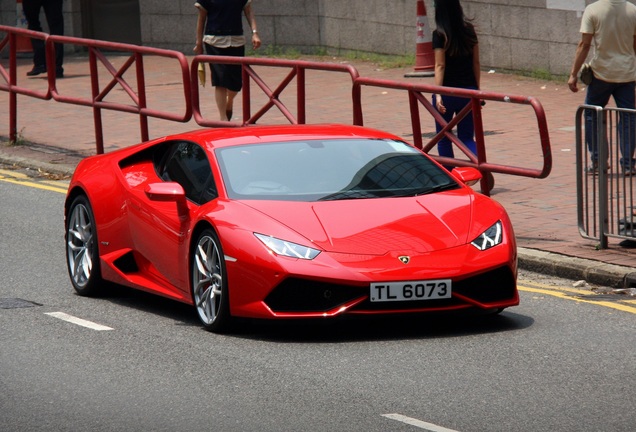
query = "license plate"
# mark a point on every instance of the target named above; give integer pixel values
(410, 290)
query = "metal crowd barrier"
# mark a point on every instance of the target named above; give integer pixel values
(137, 96)
(137, 103)
(415, 95)
(297, 71)
(191, 108)
(9, 82)
(416, 98)
(605, 196)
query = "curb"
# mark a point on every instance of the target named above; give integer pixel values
(568, 267)
(37, 165)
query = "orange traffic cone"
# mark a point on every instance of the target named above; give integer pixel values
(424, 55)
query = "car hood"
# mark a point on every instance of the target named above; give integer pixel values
(378, 226)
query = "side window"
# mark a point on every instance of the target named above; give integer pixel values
(187, 164)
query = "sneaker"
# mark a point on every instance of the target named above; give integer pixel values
(593, 169)
(629, 171)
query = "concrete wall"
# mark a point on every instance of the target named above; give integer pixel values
(514, 34)
(295, 24)
(10, 9)
(386, 27)
(169, 24)
(527, 34)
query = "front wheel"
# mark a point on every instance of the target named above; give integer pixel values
(209, 283)
(82, 254)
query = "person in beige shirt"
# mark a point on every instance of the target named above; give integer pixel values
(610, 26)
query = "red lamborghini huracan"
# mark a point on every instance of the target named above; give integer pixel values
(288, 222)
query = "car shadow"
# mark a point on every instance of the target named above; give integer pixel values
(329, 330)
(359, 328)
(183, 314)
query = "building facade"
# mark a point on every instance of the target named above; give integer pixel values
(528, 35)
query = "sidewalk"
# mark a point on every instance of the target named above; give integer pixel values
(543, 211)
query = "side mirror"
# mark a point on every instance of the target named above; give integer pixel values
(168, 191)
(467, 175)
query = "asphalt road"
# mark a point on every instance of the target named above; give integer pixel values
(143, 363)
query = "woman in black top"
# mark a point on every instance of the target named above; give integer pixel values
(456, 65)
(220, 30)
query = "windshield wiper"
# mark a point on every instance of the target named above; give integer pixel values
(439, 188)
(386, 193)
(348, 194)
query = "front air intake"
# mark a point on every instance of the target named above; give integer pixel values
(302, 295)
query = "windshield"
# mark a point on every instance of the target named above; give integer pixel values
(334, 169)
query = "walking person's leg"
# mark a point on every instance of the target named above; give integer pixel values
(227, 79)
(234, 79)
(230, 104)
(466, 126)
(598, 94)
(220, 97)
(55, 20)
(444, 145)
(625, 98)
(31, 9)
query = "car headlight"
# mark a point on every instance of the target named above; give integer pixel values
(489, 238)
(288, 249)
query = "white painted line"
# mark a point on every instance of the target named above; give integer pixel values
(78, 321)
(418, 423)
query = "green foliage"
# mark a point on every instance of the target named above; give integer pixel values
(19, 139)
(542, 74)
(277, 52)
(323, 54)
(382, 60)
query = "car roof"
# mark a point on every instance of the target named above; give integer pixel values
(224, 137)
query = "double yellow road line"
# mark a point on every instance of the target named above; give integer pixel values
(15, 177)
(618, 301)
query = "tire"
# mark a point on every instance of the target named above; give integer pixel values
(209, 283)
(491, 181)
(495, 312)
(82, 253)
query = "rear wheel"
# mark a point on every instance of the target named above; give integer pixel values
(209, 283)
(82, 254)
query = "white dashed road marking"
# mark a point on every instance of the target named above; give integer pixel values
(418, 423)
(78, 321)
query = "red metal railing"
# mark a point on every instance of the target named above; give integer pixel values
(416, 98)
(96, 100)
(297, 71)
(9, 81)
(189, 75)
(117, 80)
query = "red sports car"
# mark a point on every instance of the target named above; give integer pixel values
(288, 222)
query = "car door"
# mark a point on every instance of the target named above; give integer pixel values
(159, 228)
